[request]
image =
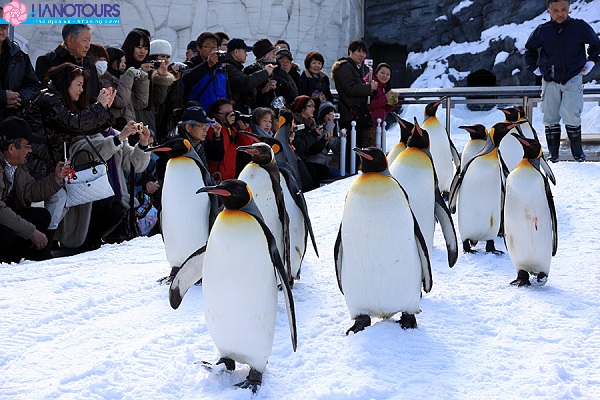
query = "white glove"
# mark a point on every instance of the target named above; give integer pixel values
(587, 67)
(537, 72)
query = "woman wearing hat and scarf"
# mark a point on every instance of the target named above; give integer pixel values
(280, 83)
(132, 91)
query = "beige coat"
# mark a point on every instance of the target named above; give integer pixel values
(25, 191)
(74, 226)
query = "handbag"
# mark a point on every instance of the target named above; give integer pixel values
(141, 220)
(90, 180)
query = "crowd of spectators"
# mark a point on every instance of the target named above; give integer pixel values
(123, 99)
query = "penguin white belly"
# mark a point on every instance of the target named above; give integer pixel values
(297, 230)
(440, 152)
(239, 289)
(527, 221)
(479, 200)
(527, 130)
(397, 149)
(184, 216)
(470, 150)
(511, 150)
(381, 269)
(414, 171)
(260, 183)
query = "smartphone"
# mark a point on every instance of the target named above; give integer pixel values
(391, 100)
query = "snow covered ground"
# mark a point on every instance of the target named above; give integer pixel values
(97, 325)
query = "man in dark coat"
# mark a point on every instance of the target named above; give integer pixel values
(240, 83)
(22, 228)
(74, 49)
(18, 82)
(352, 89)
(556, 52)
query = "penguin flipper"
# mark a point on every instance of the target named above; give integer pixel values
(442, 214)
(189, 273)
(455, 154)
(454, 188)
(338, 252)
(281, 272)
(423, 256)
(547, 170)
(550, 199)
(298, 196)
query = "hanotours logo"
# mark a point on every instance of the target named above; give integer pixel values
(16, 13)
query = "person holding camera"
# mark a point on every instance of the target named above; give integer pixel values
(233, 161)
(314, 82)
(310, 140)
(84, 226)
(280, 89)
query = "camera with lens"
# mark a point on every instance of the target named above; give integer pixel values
(156, 63)
(336, 116)
(177, 67)
(299, 127)
(247, 119)
(222, 56)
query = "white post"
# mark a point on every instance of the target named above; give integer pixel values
(383, 137)
(378, 134)
(343, 152)
(352, 146)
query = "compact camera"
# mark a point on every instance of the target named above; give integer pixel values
(139, 126)
(336, 116)
(299, 127)
(222, 55)
(156, 63)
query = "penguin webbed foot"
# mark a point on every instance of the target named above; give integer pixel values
(491, 248)
(167, 280)
(408, 321)
(522, 279)
(228, 363)
(445, 195)
(252, 382)
(360, 323)
(540, 279)
(467, 247)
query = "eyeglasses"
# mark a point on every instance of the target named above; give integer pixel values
(27, 146)
(210, 47)
(310, 106)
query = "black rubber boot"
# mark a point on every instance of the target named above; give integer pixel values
(553, 141)
(574, 134)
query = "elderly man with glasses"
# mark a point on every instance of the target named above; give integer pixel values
(22, 227)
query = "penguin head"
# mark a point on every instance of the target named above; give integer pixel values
(286, 124)
(173, 148)
(431, 108)
(274, 143)
(476, 131)
(405, 128)
(511, 114)
(372, 159)
(234, 193)
(521, 111)
(532, 148)
(419, 137)
(261, 153)
(499, 130)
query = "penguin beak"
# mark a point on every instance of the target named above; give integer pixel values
(249, 149)
(159, 149)
(437, 103)
(417, 128)
(214, 190)
(521, 139)
(467, 128)
(362, 154)
(505, 111)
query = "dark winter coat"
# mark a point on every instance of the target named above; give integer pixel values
(307, 84)
(562, 46)
(307, 141)
(61, 55)
(48, 116)
(351, 88)
(240, 84)
(286, 87)
(18, 75)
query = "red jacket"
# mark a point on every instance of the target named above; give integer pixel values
(378, 105)
(231, 140)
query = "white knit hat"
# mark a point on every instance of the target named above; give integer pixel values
(159, 46)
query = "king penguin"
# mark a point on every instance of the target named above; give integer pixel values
(478, 134)
(405, 130)
(478, 191)
(263, 178)
(186, 218)
(285, 134)
(414, 170)
(381, 257)
(510, 147)
(442, 149)
(239, 289)
(530, 226)
(297, 209)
